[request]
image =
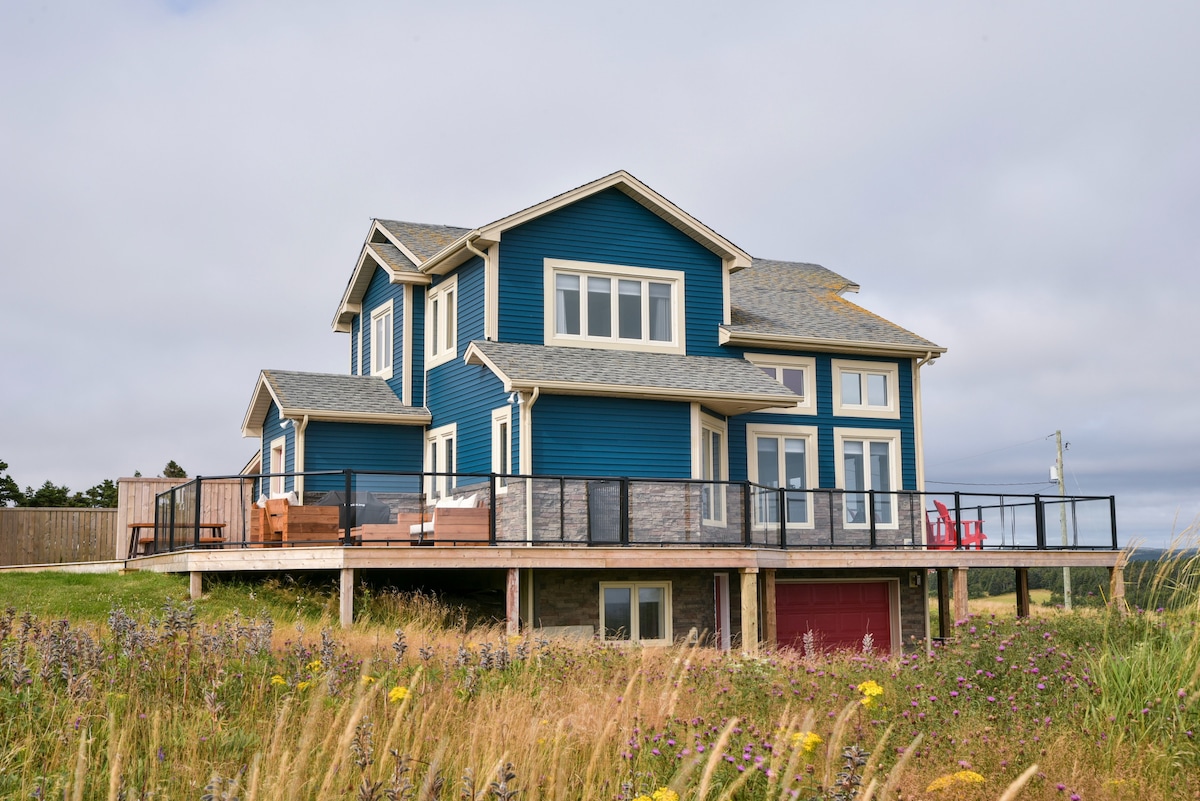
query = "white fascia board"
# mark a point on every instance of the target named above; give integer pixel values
(783, 342)
(260, 401)
(377, 226)
(360, 417)
(360, 279)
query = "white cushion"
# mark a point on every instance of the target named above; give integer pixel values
(418, 529)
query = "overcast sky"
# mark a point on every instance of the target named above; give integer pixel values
(185, 186)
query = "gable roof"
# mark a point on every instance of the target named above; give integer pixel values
(726, 385)
(327, 396)
(790, 304)
(437, 249)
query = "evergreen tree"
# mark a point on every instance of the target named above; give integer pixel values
(9, 491)
(173, 470)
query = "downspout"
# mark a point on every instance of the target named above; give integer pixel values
(526, 418)
(300, 458)
(489, 289)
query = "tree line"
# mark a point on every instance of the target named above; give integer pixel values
(102, 495)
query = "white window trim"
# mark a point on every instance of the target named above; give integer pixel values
(440, 486)
(701, 422)
(811, 464)
(583, 269)
(377, 369)
(892, 437)
(448, 335)
(805, 363)
(278, 486)
(891, 370)
(501, 416)
(634, 622)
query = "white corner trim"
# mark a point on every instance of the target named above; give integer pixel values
(406, 346)
(491, 294)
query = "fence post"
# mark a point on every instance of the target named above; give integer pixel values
(348, 508)
(1112, 516)
(747, 538)
(199, 495)
(957, 521)
(871, 515)
(624, 511)
(1039, 522)
(779, 505)
(171, 526)
(492, 509)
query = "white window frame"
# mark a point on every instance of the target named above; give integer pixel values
(704, 425)
(614, 272)
(441, 345)
(634, 617)
(808, 405)
(891, 371)
(502, 444)
(811, 467)
(869, 435)
(385, 314)
(435, 443)
(278, 464)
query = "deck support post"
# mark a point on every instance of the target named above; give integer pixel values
(960, 594)
(749, 588)
(512, 602)
(196, 584)
(1116, 586)
(346, 598)
(770, 630)
(1022, 592)
(943, 574)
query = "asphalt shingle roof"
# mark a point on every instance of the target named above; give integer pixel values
(330, 392)
(783, 298)
(422, 239)
(537, 364)
(394, 257)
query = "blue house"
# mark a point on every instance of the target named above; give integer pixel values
(602, 371)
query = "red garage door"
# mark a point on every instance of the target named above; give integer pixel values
(838, 613)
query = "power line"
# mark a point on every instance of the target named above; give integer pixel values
(988, 453)
(992, 483)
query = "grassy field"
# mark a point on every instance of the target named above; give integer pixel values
(116, 687)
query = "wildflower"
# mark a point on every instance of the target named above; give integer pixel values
(366, 680)
(806, 741)
(314, 665)
(304, 685)
(870, 691)
(950, 779)
(664, 794)
(397, 694)
(278, 681)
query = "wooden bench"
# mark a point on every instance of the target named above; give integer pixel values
(184, 535)
(398, 533)
(280, 523)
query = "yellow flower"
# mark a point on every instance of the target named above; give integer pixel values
(315, 664)
(870, 691)
(807, 741)
(278, 681)
(643, 798)
(304, 685)
(366, 680)
(397, 694)
(664, 794)
(950, 779)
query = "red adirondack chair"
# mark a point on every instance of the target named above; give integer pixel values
(940, 532)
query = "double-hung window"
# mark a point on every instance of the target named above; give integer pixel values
(797, 373)
(439, 460)
(783, 468)
(381, 340)
(441, 322)
(636, 611)
(610, 306)
(867, 461)
(866, 389)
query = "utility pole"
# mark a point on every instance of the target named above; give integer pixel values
(1062, 516)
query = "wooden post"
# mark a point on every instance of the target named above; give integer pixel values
(1022, 592)
(943, 574)
(1116, 586)
(770, 632)
(749, 577)
(346, 605)
(196, 584)
(512, 602)
(960, 594)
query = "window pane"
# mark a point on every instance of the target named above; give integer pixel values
(795, 473)
(599, 308)
(851, 389)
(450, 306)
(768, 476)
(505, 448)
(794, 380)
(566, 317)
(854, 469)
(715, 456)
(616, 613)
(770, 371)
(449, 455)
(433, 326)
(881, 480)
(651, 613)
(660, 312)
(629, 309)
(877, 390)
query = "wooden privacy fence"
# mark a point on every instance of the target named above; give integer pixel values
(225, 501)
(52, 536)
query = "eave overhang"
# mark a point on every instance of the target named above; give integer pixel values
(750, 339)
(264, 396)
(360, 279)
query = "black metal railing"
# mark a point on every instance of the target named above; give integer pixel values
(372, 508)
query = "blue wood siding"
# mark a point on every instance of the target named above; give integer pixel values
(354, 363)
(417, 369)
(362, 446)
(609, 228)
(462, 393)
(826, 422)
(272, 430)
(379, 291)
(574, 435)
